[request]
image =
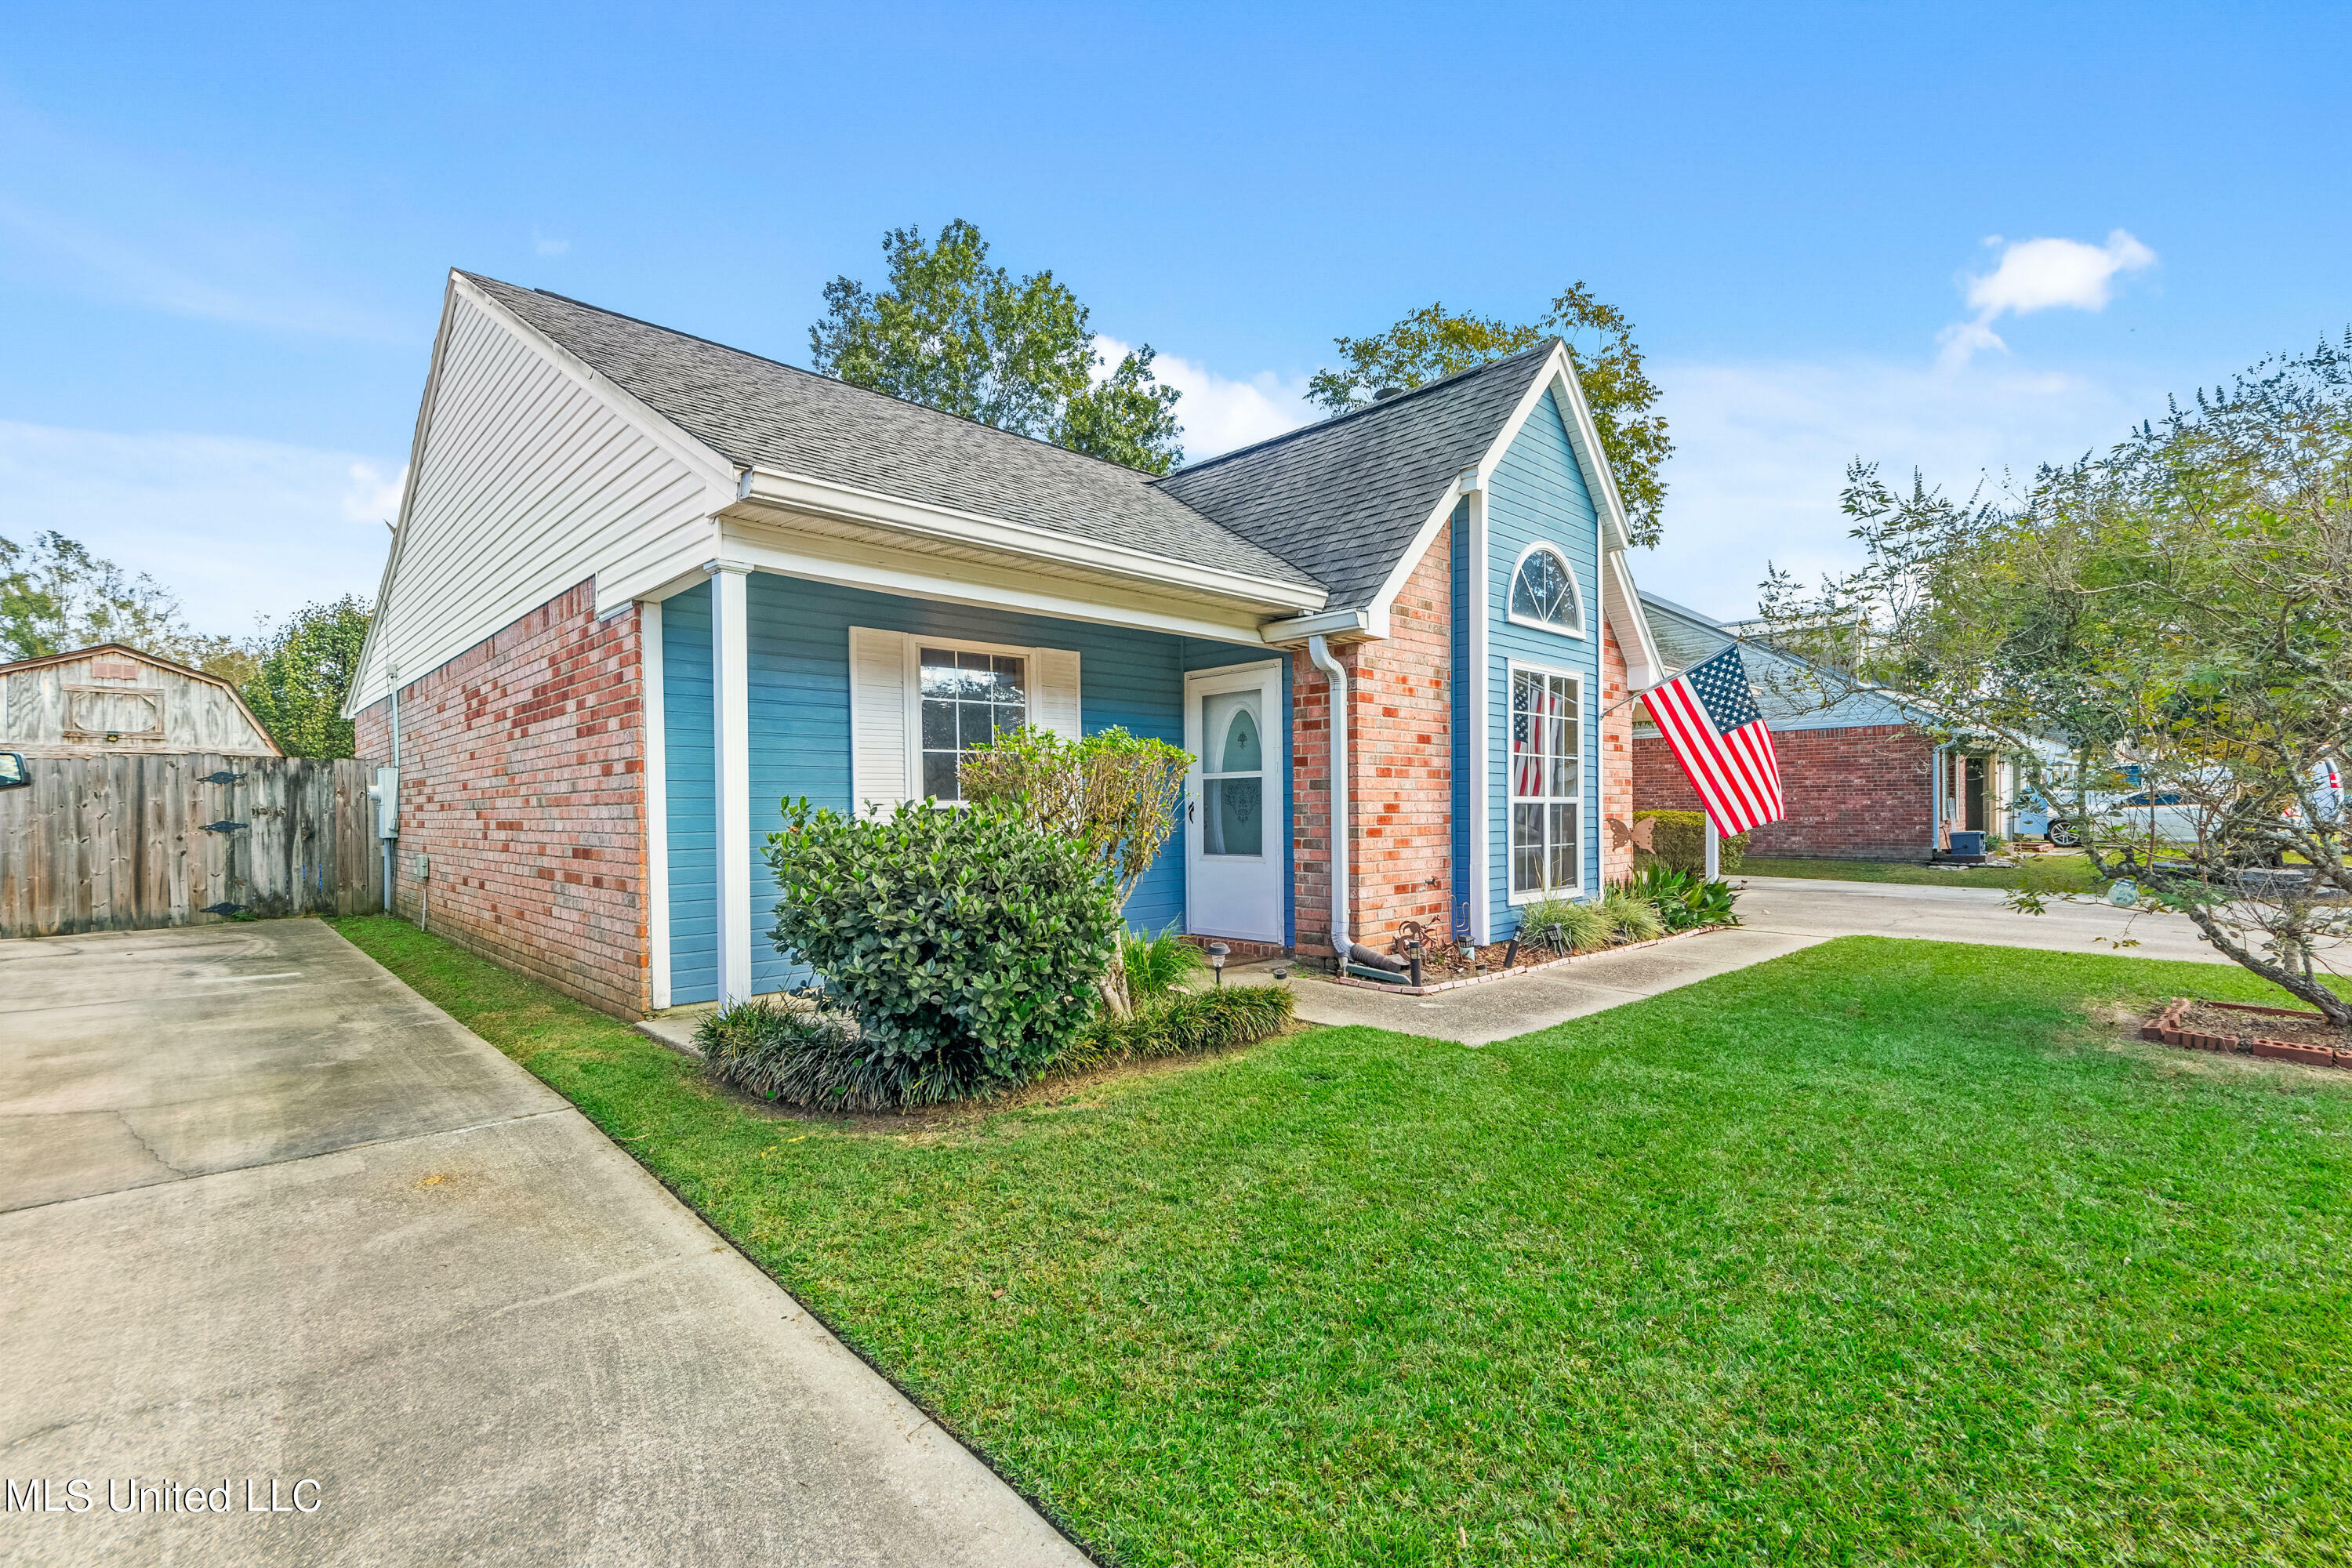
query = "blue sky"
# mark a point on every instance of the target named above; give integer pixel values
(224, 229)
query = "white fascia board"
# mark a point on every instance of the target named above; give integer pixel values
(1620, 602)
(824, 497)
(875, 570)
(1332, 626)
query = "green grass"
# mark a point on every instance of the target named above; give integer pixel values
(1886, 1251)
(2070, 872)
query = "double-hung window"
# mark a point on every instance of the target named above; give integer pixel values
(1547, 782)
(968, 698)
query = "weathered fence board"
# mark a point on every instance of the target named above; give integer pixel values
(133, 840)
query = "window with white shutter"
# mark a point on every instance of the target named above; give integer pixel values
(917, 703)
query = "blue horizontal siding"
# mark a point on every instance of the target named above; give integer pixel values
(692, 797)
(1538, 493)
(798, 702)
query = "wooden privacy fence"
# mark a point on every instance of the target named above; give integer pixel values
(129, 841)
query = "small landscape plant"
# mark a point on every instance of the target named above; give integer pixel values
(1186, 1022)
(1684, 901)
(967, 943)
(1635, 917)
(1155, 966)
(1585, 927)
(819, 1057)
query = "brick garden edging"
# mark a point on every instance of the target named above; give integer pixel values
(1547, 965)
(2166, 1027)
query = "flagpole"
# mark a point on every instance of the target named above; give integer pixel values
(1714, 848)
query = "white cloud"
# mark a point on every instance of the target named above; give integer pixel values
(1219, 412)
(371, 497)
(2041, 275)
(548, 244)
(1762, 449)
(237, 529)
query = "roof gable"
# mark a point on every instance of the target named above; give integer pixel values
(1345, 498)
(759, 413)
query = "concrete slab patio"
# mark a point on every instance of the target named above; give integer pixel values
(1783, 915)
(265, 1215)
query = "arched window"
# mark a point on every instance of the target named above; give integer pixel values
(1543, 592)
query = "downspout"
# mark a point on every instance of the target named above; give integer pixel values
(1937, 778)
(1321, 652)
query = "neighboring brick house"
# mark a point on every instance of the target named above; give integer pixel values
(1862, 777)
(643, 586)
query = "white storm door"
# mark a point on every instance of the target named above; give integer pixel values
(1233, 846)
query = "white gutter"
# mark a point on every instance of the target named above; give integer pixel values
(1321, 652)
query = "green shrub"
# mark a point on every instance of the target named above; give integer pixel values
(1155, 965)
(1682, 899)
(966, 943)
(1678, 839)
(1635, 917)
(1183, 1023)
(1585, 926)
(803, 1056)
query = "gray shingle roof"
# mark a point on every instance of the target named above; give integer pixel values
(754, 411)
(1344, 499)
(1334, 504)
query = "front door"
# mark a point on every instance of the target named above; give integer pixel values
(1234, 806)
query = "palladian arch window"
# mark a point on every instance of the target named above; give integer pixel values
(1543, 592)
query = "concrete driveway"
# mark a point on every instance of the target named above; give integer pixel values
(1783, 915)
(274, 1226)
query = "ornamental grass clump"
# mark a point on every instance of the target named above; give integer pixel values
(1635, 917)
(967, 943)
(819, 1057)
(1585, 928)
(1155, 966)
(1185, 1024)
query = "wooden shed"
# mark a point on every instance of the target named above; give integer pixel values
(107, 700)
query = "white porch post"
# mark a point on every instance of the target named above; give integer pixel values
(731, 763)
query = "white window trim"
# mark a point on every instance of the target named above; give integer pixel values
(916, 643)
(1584, 828)
(1581, 632)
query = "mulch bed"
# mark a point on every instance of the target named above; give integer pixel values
(2279, 1034)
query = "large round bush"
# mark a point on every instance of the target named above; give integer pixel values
(964, 938)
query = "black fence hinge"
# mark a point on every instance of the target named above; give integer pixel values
(222, 777)
(224, 825)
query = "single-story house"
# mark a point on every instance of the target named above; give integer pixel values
(96, 701)
(1860, 774)
(643, 586)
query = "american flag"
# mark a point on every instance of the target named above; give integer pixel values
(1709, 717)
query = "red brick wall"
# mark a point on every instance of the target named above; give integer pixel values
(1855, 794)
(1399, 767)
(522, 782)
(1616, 761)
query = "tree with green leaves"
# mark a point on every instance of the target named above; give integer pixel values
(306, 670)
(56, 597)
(955, 333)
(2177, 615)
(1433, 342)
(1113, 791)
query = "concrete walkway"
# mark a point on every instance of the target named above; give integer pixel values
(1783, 915)
(265, 1215)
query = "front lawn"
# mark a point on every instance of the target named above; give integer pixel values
(2059, 872)
(1882, 1251)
